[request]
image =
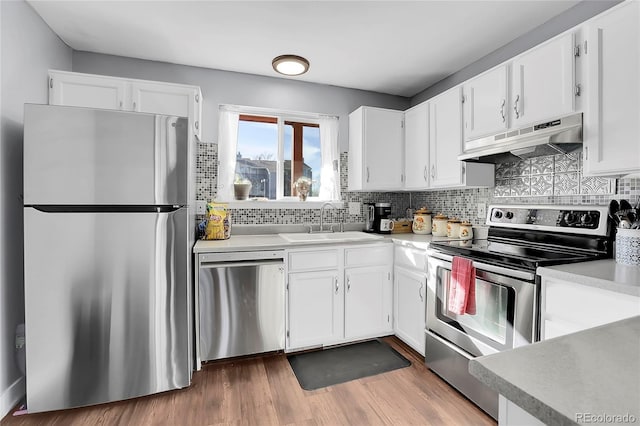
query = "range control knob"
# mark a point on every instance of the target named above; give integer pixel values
(497, 214)
(509, 215)
(586, 218)
(570, 218)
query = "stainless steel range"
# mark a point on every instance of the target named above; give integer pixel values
(520, 238)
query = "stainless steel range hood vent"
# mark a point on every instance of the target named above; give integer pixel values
(560, 136)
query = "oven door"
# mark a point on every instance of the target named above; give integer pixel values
(505, 308)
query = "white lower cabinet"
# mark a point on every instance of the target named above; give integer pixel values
(409, 295)
(338, 295)
(315, 308)
(568, 307)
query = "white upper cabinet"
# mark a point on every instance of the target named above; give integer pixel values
(376, 141)
(612, 90)
(416, 147)
(445, 144)
(95, 91)
(485, 104)
(445, 136)
(86, 90)
(543, 83)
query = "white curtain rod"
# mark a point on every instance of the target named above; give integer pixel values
(274, 112)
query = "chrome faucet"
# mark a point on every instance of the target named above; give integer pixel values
(327, 204)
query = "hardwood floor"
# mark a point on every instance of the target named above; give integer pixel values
(264, 391)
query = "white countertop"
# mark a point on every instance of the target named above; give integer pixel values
(595, 371)
(274, 241)
(606, 274)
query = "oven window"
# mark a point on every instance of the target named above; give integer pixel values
(492, 309)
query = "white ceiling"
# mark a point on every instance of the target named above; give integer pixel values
(395, 47)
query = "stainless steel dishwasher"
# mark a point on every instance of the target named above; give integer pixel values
(241, 304)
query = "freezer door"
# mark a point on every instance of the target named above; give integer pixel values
(106, 306)
(81, 156)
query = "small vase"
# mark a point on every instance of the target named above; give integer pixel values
(241, 190)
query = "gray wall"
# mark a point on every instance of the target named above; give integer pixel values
(566, 20)
(29, 49)
(223, 87)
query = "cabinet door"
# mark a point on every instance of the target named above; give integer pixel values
(416, 147)
(485, 104)
(612, 113)
(167, 99)
(368, 296)
(409, 297)
(568, 307)
(445, 138)
(315, 308)
(383, 149)
(85, 90)
(543, 82)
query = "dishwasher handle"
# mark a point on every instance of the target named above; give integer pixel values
(240, 263)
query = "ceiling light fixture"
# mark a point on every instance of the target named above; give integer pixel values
(290, 64)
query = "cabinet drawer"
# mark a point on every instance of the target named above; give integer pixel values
(362, 256)
(313, 260)
(411, 258)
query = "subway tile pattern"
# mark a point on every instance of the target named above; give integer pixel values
(544, 180)
(553, 175)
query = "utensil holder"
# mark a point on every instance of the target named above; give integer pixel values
(628, 246)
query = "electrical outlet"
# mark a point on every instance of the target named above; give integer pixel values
(354, 208)
(482, 210)
(201, 207)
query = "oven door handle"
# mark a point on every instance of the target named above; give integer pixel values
(513, 273)
(449, 345)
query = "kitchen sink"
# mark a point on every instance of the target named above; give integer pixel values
(329, 236)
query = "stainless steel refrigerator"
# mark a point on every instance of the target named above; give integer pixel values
(107, 243)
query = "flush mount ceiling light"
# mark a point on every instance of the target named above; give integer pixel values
(290, 64)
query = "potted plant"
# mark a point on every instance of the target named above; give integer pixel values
(241, 188)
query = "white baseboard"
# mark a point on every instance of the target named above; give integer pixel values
(11, 396)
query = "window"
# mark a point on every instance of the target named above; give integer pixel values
(273, 150)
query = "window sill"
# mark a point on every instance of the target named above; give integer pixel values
(280, 204)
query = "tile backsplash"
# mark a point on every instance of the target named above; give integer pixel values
(543, 180)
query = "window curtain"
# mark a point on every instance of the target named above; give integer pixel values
(227, 144)
(330, 174)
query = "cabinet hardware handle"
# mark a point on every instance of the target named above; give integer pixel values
(504, 102)
(577, 90)
(420, 293)
(196, 125)
(51, 83)
(120, 104)
(337, 285)
(367, 174)
(586, 153)
(425, 173)
(464, 168)
(433, 171)
(515, 106)
(197, 97)
(134, 106)
(401, 177)
(348, 284)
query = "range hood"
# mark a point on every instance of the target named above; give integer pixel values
(560, 136)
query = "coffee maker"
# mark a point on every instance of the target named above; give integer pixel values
(382, 223)
(369, 209)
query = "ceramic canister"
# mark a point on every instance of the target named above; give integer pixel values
(421, 222)
(439, 225)
(453, 228)
(466, 231)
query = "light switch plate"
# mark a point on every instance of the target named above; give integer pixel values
(201, 207)
(354, 208)
(482, 210)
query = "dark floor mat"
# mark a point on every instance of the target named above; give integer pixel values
(328, 367)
